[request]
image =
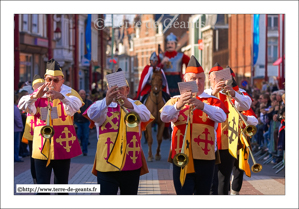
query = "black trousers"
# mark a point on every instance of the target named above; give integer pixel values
(214, 186)
(198, 183)
(127, 181)
(224, 171)
(238, 176)
(32, 165)
(61, 170)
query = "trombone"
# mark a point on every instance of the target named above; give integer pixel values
(132, 119)
(181, 159)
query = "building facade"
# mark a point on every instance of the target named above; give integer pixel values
(215, 42)
(241, 48)
(33, 45)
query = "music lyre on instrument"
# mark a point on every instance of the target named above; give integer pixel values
(132, 119)
(249, 130)
(181, 159)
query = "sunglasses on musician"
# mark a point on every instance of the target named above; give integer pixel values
(55, 80)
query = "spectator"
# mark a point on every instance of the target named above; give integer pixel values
(279, 97)
(281, 138)
(283, 100)
(18, 127)
(23, 150)
(264, 87)
(266, 100)
(26, 88)
(255, 103)
(83, 123)
(274, 87)
(273, 96)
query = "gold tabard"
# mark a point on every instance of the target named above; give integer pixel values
(203, 142)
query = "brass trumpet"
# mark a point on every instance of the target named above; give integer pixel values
(132, 119)
(256, 167)
(47, 131)
(181, 159)
(250, 131)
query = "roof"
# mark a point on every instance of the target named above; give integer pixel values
(165, 19)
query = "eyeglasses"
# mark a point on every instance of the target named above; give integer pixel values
(56, 80)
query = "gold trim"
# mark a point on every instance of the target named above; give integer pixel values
(40, 80)
(54, 72)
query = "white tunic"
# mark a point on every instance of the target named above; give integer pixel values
(170, 114)
(71, 103)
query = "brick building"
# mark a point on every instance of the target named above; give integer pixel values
(240, 46)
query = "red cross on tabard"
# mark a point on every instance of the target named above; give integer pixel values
(225, 132)
(32, 121)
(63, 116)
(108, 142)
(206, 141)
(183, 116)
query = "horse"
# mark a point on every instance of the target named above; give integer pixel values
(154, 103)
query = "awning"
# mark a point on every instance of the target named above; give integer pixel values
(278, 61)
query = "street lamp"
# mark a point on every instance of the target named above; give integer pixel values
(57, 34)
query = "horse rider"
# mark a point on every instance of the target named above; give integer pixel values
(242, 102)
(108, 114)
(144, 84)
(172, 62)
(208, 111)
(144, 87)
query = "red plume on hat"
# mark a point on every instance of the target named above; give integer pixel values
(193, 66)
(216, 67)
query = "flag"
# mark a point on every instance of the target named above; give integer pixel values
(243, 157)
(118, 152)
(88, 38)
(189, 168)
(256, 37)
(233, 130)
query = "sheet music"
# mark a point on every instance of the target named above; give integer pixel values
(223, 74)
(117, 79)
(44, 113)
(188, 86)
(54, 114)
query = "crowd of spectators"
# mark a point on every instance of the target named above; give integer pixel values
(268, 103)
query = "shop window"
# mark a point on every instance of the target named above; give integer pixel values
(26, 69)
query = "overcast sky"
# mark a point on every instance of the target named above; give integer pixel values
(117, 19)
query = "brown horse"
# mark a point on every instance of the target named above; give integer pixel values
(154, 103)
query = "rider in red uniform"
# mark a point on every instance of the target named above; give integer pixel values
(144, 83)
